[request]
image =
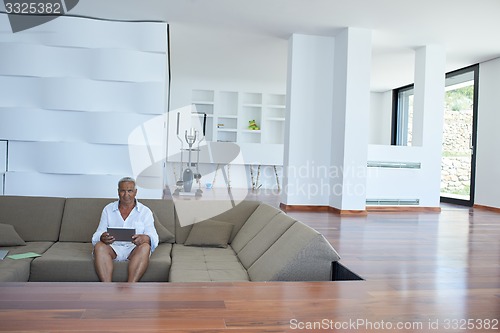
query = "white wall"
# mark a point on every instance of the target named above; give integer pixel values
(224, 60)
(488, 136)
(3, 163)
(73, 91)
(308, 125)
(421, 184)
(380, 118)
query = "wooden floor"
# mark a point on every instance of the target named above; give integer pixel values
(424, 272)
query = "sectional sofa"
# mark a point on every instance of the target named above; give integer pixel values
(250, 242)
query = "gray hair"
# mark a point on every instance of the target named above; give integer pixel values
(126, 180)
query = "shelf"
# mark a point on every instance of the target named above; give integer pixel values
(235, 110)
(227, 129)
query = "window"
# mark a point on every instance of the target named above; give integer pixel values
(402, 120)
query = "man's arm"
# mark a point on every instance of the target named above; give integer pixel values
(101, 228)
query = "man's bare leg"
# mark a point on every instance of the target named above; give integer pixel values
(138, 262)
(103, 261)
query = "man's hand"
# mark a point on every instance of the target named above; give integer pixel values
(141, 239)
(106, 238)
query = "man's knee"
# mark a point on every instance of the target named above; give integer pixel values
(103, 249)
(142, 250)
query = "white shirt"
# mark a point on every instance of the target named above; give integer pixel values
(140, 218)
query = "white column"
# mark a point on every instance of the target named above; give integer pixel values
(308, 124)
(428, 112)
(349, 124)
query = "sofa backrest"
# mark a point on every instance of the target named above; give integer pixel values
(164, 209)
(236, 216)
(81, 218)
(264, 239)
(33, 218)
(300, 254)
(253, 225)
(82, 215)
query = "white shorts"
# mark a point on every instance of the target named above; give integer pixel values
(122, 250)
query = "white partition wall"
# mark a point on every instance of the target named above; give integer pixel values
(3, 164)
(488, 136)
(71, 93)
(401, 175)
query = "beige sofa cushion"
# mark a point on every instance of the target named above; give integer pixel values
(9, 236)
(264, 239)
(255, 223)
(81, 218)
(300, 254)
(73, 262)
(165, 211)
(209, 233)
(19, 270)
(202, 264)
(164, 235)
(237, 216)
(34, 218)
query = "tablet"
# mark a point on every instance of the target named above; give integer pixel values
(122, 234)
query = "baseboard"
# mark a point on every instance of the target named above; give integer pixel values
(492, 209)
(369, 209)
(303, 208)
(306, 208)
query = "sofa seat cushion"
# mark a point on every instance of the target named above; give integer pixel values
(19, 270)
(73, 262)
(202, 264)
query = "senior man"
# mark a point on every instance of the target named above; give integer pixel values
(127, 212)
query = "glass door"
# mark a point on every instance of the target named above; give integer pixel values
(459, 137)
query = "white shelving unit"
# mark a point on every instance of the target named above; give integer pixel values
(229, 114)
(204, 102)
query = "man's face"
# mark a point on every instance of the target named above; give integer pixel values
(127, 192)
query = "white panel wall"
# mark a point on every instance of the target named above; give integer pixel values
(73, 91)
(488, 136)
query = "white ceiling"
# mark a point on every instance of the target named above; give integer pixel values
(468, 29)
